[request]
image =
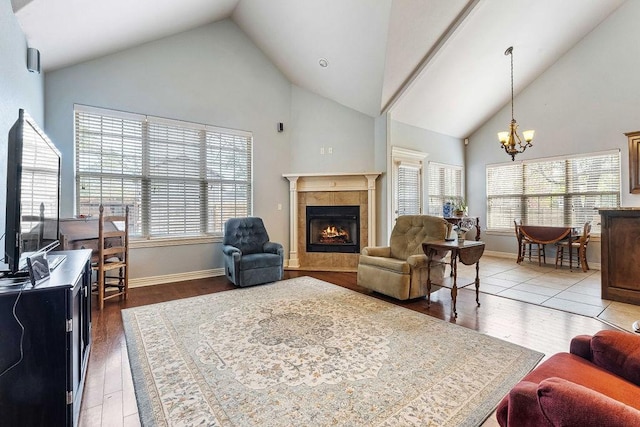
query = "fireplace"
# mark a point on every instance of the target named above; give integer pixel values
(333, 229)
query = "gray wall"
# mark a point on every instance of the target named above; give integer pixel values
(438, 147)
(584, 103)
(18, 89)
(318, 123)
(213, 75)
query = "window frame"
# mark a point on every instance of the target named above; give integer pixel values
(210, 147)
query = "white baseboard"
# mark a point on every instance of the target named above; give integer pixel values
(177, 277)
(501, 254)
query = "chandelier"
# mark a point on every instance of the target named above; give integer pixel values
(510, 140)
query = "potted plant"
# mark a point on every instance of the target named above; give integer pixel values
(462, 227)
(460, 208)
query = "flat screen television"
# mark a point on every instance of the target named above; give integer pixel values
(33, 194)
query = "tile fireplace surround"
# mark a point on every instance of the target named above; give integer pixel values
(333, 189)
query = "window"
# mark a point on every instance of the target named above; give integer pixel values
(446, 183)
(178, 178)
(556, 191)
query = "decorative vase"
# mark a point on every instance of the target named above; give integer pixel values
(447, 209)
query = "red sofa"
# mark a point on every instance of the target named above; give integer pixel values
(596, 384)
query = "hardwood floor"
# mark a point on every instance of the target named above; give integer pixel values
(109, 398)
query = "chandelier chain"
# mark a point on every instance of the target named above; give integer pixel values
(511, 54)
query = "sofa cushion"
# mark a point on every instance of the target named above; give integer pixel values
(393, 264)
(617, 352)
(580, 371)
(565, 403)
(251, 261)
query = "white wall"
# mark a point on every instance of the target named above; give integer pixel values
(18, 89)
(583, 103)
(213, 75)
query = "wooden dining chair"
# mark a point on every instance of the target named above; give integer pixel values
(578, 248)
(112, 263)
(527, 246)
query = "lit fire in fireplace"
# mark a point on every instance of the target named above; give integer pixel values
(334, 235)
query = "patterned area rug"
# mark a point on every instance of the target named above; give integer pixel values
(303, 352)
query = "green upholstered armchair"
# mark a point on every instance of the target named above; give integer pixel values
(249, 257)
(400, 269)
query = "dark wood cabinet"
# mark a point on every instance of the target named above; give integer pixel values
(620, 253)
(634, 162)
(45, 388)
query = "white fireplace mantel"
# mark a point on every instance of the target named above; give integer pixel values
(349, 181)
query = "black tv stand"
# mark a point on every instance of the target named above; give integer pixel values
(45, 388)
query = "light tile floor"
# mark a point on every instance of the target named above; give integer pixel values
(574, 291)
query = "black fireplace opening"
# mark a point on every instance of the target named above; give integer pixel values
(333, 229)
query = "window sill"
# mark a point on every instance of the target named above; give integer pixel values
(158, 242)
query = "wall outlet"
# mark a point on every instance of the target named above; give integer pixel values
(279, 206)
(330, 150)
(322, 150)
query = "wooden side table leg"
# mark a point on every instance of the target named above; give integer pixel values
(451, 273)
(429, 278)
(478, 283)
(454, 288)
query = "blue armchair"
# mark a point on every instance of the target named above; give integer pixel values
(249, 257)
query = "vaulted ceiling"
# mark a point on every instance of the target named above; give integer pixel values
(435, 64)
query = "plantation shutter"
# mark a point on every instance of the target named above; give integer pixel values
(109, 164)
(445, 184)
(229, 177)
(504, 195)
(408, 189)
(173, 178)
(178, 178)
(592, 182)
(557, 191)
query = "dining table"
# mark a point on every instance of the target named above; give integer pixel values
(547, 234)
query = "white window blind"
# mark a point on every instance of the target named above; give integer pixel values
(406, 181)
(446, 184)
(178, 178)
(558, 191)
(408, 189)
